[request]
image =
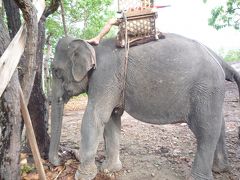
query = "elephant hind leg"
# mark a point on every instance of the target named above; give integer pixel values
(205, 123)
(220, 163)
(112, 132)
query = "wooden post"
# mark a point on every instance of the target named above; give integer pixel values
(31, 137)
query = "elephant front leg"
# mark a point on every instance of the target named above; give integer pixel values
(91, 132)
(112, 132)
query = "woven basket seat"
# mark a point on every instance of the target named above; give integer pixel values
(140, 25)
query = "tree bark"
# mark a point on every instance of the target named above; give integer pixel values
(38, 106)
(47, 74)
(31, 76)
(30, 17)
(51, 8)
(9, 120)
(63, 18)
(38, 109)
(14, 24)
(13, 17)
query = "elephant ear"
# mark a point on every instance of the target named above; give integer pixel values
(83, 58)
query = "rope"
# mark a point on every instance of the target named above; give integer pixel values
(125, 61)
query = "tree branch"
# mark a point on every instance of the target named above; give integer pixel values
(13, 17)
(51, 8)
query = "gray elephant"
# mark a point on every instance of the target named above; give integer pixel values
(167, 81)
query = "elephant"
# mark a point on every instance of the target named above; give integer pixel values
(167, 81)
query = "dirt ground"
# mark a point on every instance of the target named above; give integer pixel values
(153, 152)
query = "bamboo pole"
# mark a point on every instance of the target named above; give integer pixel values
(31, 137)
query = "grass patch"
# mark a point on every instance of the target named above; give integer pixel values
(25, 169)
(79, 96)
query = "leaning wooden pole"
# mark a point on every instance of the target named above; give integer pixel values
(31, 137)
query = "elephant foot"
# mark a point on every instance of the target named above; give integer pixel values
(199, 176)
(76, 154)
(111, 166)
(87, 172)
(55, 161)
(190, 178)
(220, 166)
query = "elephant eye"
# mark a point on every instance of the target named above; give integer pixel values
(76, 54)
(57, 73)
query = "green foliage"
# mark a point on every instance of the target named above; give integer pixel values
(79, 97)
(232, 55)
(226, 15)
(84, 18)
(27, 168)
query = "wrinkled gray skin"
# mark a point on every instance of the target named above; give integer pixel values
(168, 81)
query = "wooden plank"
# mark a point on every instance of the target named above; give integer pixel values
(31, 137)
(11, 56)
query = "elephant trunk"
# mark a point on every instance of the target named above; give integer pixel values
(56, 120)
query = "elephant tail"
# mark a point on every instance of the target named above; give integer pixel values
(232, 75)
(236, 77)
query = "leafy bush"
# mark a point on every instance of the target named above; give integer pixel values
(232, 55)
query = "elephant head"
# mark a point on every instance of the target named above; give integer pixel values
(73, 60)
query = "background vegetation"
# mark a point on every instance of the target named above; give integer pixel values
(227, 15)
(84, 18)
(230, 55)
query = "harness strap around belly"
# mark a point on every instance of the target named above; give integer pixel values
(122, 104)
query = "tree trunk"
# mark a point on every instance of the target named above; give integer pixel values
(9, 120)
(47, 74)
(13, 17)
(31, 83)
(30, 16)
(38, 106)
(14, 24)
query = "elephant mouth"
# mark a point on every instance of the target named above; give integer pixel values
(70, 93)
(66, 97)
